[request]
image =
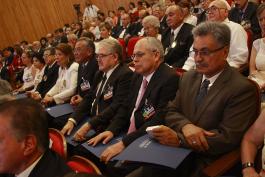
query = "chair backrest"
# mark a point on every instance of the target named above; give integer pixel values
(180, 71)
(131, 44)
(81, 164)
(58, 142)
(123, 44)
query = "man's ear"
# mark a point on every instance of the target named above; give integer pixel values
(30, 144)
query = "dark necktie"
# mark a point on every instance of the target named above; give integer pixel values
(171, 38)
(202, 92)
(95, 105)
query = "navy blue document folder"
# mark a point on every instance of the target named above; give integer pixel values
(146, 149)
(60, 110)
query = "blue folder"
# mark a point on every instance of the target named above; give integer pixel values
(145, 149)
(99, 148)
(69, 139)
(60, 110)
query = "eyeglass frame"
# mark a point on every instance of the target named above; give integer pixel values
(206, 52)
(140, 54)
(101, 56)
(213, 8)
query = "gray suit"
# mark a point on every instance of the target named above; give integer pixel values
(228, 110)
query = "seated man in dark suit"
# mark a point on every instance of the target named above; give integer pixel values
(158, 10)
(177, 39)
(25, 142)
(153, 85)
(124, 30)
(244, 13)
(49, 77)
(108, 93)
(212, 109)
(84, 55)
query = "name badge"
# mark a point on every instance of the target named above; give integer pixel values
(173, 44)
(148, 110)
(85, 85)
(45, 78)
(108, 93)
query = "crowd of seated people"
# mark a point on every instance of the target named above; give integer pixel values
(83, 64)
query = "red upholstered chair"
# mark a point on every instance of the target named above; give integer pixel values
(131, 44)
(245, 67)
(229, 160)
(81, 164)
(180, 71)
(123, 44)
(58, 142)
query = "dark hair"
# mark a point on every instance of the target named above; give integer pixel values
(27, 117)
(184, 4)
(25, 42)
(9, 48)
(121, 8)
(51, 49)
(66, 50)
(39, 57)
(29, 54)
(132, 4)
(18, 49)
(89, 35)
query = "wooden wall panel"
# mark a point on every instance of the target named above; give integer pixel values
(31, 19)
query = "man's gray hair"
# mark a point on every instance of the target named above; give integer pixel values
(112, 46)
(5, 91)
(152, 21)
(220, 32)
(160, 5)
(153, 44)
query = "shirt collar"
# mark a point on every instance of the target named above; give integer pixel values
(211, 79)
(148, 77)
(28, 170)
(176, 31)
(111, 71)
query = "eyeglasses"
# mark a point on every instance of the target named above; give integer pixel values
(137, 55)
(101, 56)
(206, 52)
(212, 9)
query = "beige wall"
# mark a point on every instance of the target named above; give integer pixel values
(31, 19)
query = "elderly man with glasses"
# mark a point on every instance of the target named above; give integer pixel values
(238, 52)
(106, 95)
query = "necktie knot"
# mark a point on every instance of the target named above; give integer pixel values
(203, 91)
(205, 84)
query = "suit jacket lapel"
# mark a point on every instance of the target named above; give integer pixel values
(111, 78)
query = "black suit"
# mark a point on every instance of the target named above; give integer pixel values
(136, 28)
(161, 88)
(177, 54)
(117, 30)
(163, 24)
(86, 74)
(50, 165)
(119, 81)
(48, 80)
(4, 74)
(249, 15)
(201, 17)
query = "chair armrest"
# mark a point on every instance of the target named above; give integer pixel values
(222, 164)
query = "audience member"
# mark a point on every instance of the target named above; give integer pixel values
(66, 84)
(177, 39)
(110, 88)
(238, 52)
(244, 13)
(25, 142)
(91, 11)
(50, 75)
(84, 55)
(78, 29)
(221, 106)
(29, 72)
(151, 27)
(39, 64)
(126, 28)
(188, 17)
(158, 10)
(202, 17)
(251, 143)
(153, 85)
(257, 65)
(72, 38)
(105, 31)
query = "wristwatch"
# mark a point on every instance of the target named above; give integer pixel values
(247, 164)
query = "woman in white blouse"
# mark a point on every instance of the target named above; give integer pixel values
(66, 83)
(28, 72)
(39, 64)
